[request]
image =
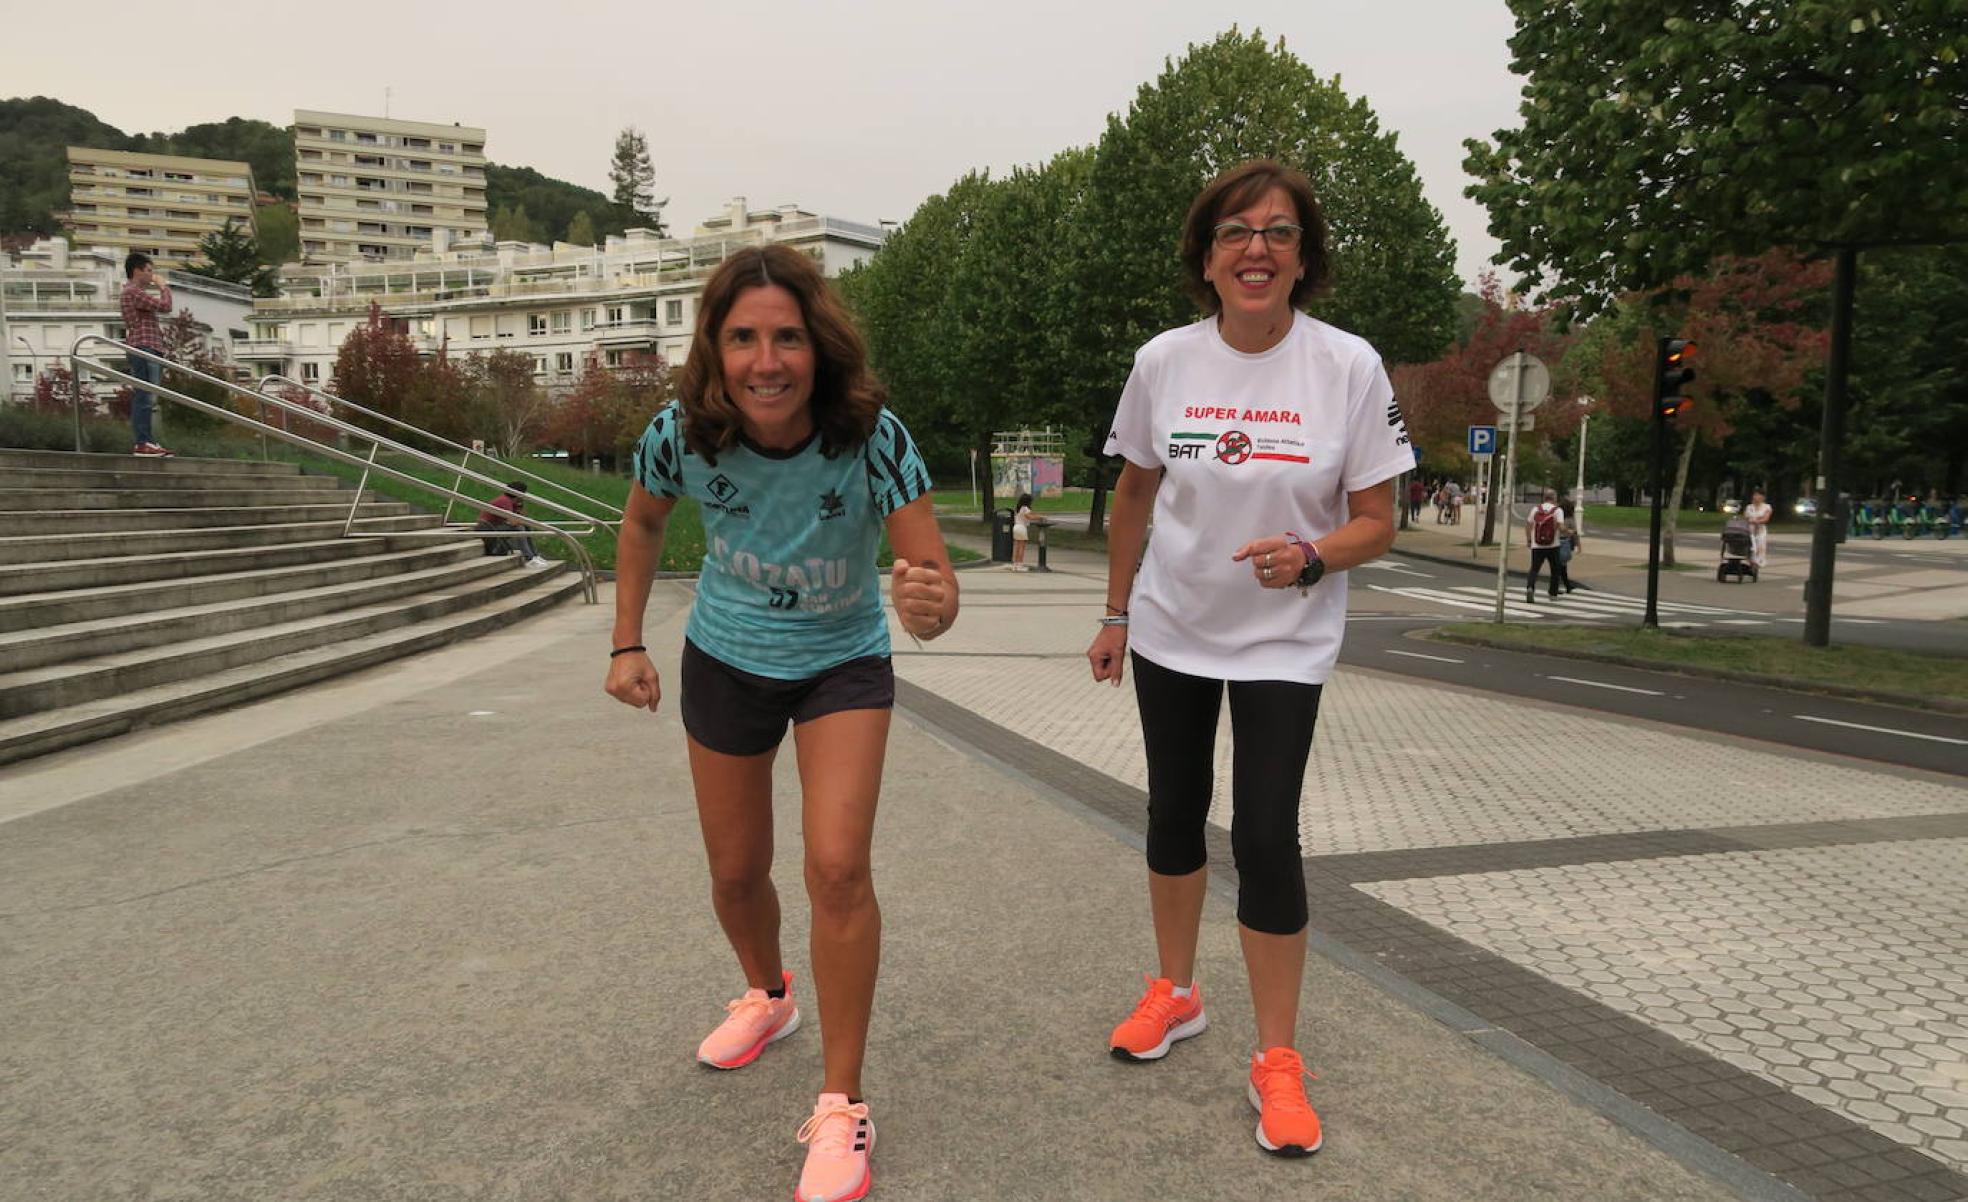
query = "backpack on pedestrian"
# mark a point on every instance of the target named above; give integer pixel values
(1544, 526)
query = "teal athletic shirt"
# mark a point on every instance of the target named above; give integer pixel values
(788, 587)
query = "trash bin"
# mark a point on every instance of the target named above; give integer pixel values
(1001, 535)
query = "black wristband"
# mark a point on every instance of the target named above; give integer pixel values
(626, 650)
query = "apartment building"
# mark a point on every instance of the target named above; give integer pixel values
(560, 304)
(374, 188)
(159, 204)
(51, 295)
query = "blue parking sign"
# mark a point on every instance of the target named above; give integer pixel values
(1482, 440)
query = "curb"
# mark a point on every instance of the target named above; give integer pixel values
(1943, 705)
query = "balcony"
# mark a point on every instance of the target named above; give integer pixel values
(637, 332)
(261, 349)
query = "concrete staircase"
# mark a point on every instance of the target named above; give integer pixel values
(137, 591)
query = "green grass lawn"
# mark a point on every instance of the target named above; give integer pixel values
(683, 542)
(1073, 500)
(1784, 659)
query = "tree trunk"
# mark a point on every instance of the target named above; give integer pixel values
(1674, 499)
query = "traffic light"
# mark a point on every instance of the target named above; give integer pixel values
(1672, 374)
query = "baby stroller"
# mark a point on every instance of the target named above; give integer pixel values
(1738, 548)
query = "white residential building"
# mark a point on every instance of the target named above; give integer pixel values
(377, 188)
(159, 204)
(558, 304)
(51, 295)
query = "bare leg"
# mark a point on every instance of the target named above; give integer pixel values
(734, 808)
(1177, 904)
(840, 761)
(1276, 964)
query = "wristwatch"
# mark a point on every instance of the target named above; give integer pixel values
(1314, 569)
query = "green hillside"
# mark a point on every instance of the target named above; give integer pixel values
(34, 167)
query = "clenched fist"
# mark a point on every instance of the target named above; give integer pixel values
(919, 593)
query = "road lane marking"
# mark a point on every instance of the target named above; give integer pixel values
(1440, 659)
(1423, 594)
(1600, 684)
(1390, 567)
(1883, 730)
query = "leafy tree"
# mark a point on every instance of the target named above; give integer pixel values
(513, 225)
(279, 233)
(1758, 324)
(1441, 399)
(267, 148)
(634, 180)
(605, 412)
(1910, 372)
(233, 255)
(505, 405)
(376, 367)
(1657, 137)
(581, 230)
(33, 164)
(553, 203)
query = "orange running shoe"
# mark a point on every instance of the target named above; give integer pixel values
(1159, 1019)
(839, 1138)
(756, 1019)
(1286, 1123)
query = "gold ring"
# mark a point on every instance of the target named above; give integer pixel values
(1267, 573)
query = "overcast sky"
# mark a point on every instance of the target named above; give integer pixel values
(853, 110)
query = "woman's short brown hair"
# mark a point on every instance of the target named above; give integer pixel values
(1239, 188)
(847, 398)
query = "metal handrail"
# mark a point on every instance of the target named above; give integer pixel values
(276, 378)
(580, 524)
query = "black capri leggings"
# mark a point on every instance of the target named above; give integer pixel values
(1271, 725)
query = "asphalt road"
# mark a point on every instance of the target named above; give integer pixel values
(1384, 633)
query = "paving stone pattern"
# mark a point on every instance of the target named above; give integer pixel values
(1770, 950)
(1839, 972)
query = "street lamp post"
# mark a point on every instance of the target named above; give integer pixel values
(1578, 490)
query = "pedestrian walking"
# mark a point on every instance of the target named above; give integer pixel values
(1542, 530)
(1417, 496)
(1237, 594)
(145, 295)
(1757, 513)
(781, 437)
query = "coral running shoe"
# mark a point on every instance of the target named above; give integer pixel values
(756, 1019)
(1286, 1123)
(1159, 1019)
(839, 1138)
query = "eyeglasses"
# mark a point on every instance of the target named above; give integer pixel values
(1235, 235)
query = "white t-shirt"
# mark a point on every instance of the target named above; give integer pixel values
(1254, 446)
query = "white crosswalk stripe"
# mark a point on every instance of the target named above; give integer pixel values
(1589, 606)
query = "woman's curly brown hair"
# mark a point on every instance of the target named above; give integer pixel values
(847, 398)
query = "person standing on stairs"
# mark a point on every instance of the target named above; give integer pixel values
(140, 329)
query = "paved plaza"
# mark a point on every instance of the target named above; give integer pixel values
(441, 931)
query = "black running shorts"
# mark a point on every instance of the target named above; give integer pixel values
(733, 712)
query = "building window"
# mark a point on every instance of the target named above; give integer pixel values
(587, 319)
(673, 313)
(310, 373)
(539, 365)
(564, 363)
(615, 315)
(338, 135)
(612, 358)
(563, 322)
(536, 324)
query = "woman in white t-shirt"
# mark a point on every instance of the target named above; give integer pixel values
(1265, 444)
(1757, 514)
